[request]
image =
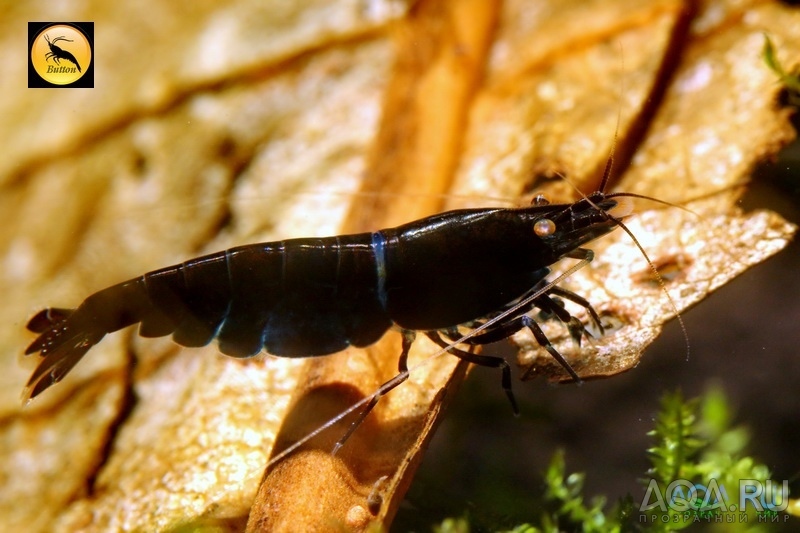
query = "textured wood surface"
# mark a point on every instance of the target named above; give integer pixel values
(223, 125)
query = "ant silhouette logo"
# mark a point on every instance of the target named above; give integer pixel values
(60, 54)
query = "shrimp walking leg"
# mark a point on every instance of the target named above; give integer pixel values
(482, 360)
(583, 302)
(402, 375)
(509, 327)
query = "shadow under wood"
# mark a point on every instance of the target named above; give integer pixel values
(311, 489)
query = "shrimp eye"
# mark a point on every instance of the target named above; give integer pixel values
(544, 227)
(540, 199)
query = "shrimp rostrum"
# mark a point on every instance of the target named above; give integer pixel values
(316, 296)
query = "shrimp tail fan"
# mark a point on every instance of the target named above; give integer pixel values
(63, 340)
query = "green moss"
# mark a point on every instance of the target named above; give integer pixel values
(694, 441)
(791, 80)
